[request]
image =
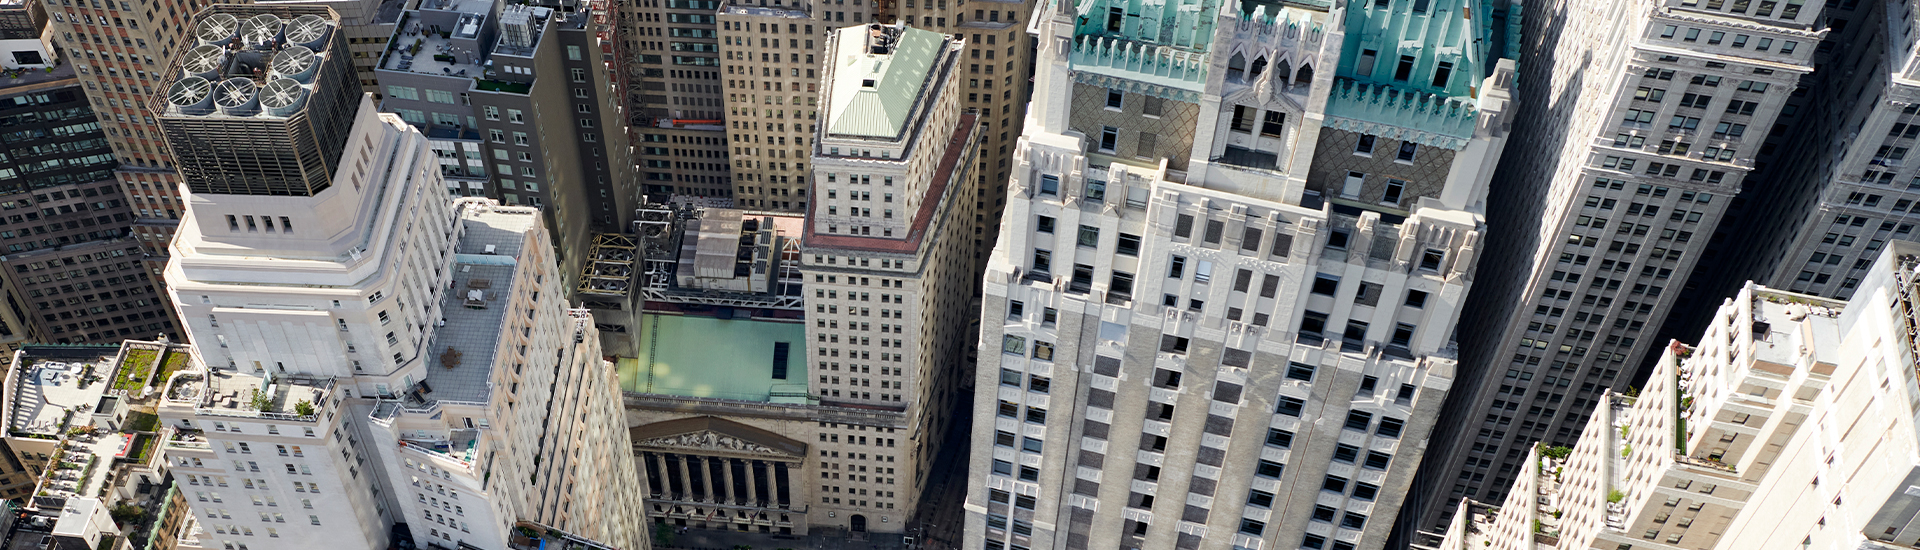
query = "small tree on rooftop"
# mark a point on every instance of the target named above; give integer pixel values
(450, 358)
(303, 408)
(260, 400)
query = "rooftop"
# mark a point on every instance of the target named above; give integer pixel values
(27, 80)
(878, 74)
(1420, 65)
(485, 264)
(458, 38)
(250, 62)
(1787, 326)
(53, 382)
(232, 393)
(961, 144)
(696, 356)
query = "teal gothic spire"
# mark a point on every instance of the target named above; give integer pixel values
(1180, 24)
(1418, 64)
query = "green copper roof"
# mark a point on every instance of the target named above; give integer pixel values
(1418, 64)
(1184, 24)
(873, 94)
(1161, 42)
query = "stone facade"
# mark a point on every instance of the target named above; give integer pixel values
(1197, 351)
(1737, 441)
(1642, 120)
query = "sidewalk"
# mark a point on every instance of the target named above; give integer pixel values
(826, 539)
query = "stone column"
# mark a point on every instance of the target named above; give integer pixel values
(706, 478)
(659, 464)
(753, 491)
(726, 471)
(686, 479)
(781, 492)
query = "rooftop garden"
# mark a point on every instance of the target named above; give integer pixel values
(142, 448)
(135, 369)
(172, 364)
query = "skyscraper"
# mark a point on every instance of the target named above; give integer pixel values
(728, 106)
(1639, 122)
(418, 373)
(882, 247)
(843, 336)
(73, 267)
(1221, 309)
(1787, 425)
(1847, 189)
(519, 107)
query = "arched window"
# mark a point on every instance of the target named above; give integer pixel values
(1236, 67)
(1305, 76)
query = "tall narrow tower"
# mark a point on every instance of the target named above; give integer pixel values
(1220, 312)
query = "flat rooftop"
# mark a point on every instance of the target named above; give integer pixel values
(696, 356)
(485, 262)
(460, 52)
(232, 393)
(49, 379)
(1819, 327)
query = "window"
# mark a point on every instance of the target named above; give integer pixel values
(1279, 438)
(1405, 68)
(1109, 138)
(1364, 146)
(1243, 118)
(1442, 74)
(1378, 460)
(1114, 99)
(1128, 245)
(1290, 406)
(1391, 196)
(1407, 150)
(1252, 527)
(1049, 184)
(1390, 427)
(1269, 469)
(1325, 285)
(1300, 371)
(1274, 124)
(1346, 454)
(1089, 236)
(1176, 267)
(1359, 420)
(1260, 498)
(1416, 299)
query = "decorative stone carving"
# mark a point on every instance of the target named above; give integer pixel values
(710, 441)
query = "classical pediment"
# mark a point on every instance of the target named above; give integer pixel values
(715, 436)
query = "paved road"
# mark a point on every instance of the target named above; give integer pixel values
(941, 516)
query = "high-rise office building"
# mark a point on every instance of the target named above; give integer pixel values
(118, 51)
(418, 373)
(843, 340)
(73, 267)
(1221, 310)
(1638, 125)
(1845, 186)
(1788, 425)
(728, 106)
(882, 250)
(519, 107)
